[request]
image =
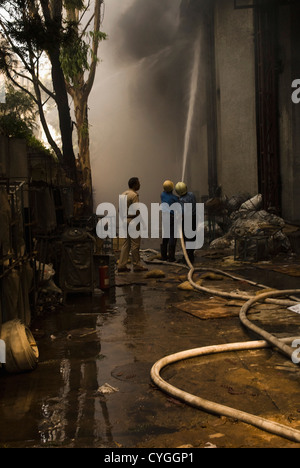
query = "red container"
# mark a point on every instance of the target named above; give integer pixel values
(103, 277)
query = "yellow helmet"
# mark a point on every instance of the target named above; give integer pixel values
(181, 188)
(168, 186)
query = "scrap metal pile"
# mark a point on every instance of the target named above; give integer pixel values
(244, 219)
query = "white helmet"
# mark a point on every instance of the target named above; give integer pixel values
(181, 188)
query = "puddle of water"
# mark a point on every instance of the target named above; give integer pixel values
(92, 341)
(114, 338)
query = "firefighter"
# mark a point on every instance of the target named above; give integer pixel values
(168, 246)
(186, 197)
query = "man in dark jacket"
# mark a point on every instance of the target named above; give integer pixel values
(169, 242)
(184, 198)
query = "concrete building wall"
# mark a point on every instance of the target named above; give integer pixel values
(236, 101)
(13, 158)
(18, 159)
(289, 112)
(3, 156)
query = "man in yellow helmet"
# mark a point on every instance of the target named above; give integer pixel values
(181, 189)
(187, 197)
(168, 243)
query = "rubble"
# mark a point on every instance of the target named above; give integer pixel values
(248, 221)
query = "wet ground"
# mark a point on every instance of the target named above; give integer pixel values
(109, 342)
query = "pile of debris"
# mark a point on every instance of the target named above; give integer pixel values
(49, 294)
(247, 223)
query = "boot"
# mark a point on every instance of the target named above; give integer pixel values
(164, 252)
(172, 249)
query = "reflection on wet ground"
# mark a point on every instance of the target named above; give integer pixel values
(92, 387)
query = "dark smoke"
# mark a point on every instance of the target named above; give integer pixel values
(143, 106)
(147, 28)
(161, 33)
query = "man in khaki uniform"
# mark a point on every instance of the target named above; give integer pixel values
(130, 243)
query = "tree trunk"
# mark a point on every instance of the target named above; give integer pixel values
(63, 108)
(52, 10)
(81, 115)
(80, 91)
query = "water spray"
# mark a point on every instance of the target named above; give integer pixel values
(192, 102)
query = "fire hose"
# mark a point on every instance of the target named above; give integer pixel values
(268, 341)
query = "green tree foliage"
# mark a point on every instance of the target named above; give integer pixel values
(77, 52)
(59, 29)
(18, 117)
(18, 112)
(33, 29)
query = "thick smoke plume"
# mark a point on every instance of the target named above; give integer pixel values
(139, 106)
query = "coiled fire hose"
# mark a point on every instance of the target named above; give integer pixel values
(269, 340)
